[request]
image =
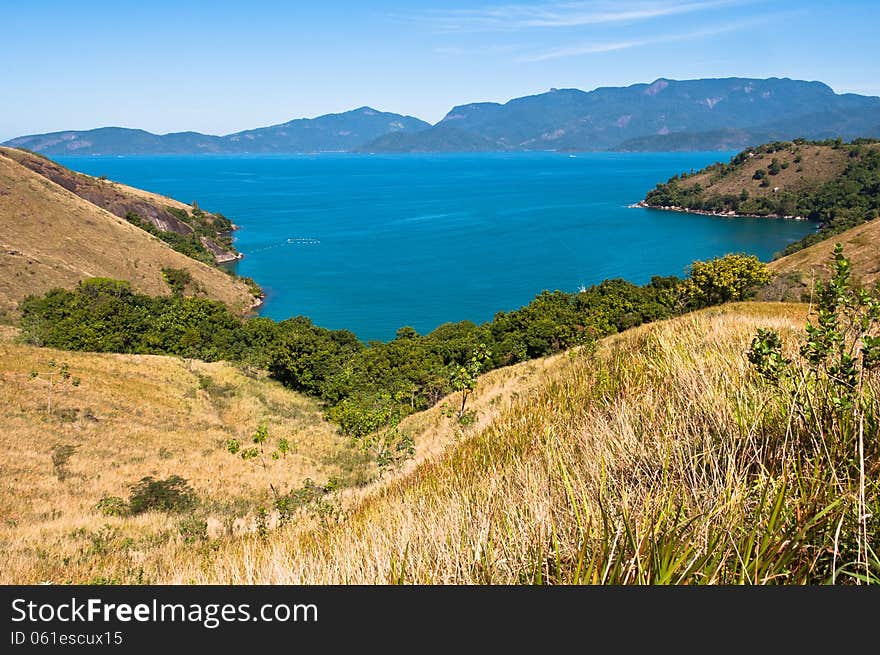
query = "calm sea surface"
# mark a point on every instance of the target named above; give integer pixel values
(374, 242)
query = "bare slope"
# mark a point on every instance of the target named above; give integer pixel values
(51, 237)
(165, 214)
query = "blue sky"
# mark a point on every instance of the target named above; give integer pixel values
(219, 67)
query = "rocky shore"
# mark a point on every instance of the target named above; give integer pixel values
(730, 214)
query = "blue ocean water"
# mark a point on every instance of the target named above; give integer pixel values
(374, 242)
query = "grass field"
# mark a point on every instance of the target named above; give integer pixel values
(131, 416)
(653, 458)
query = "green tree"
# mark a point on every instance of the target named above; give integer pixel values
(463, 378)
(724, 279)
(177, 280)
(259, 451)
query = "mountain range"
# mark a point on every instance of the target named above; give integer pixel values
(704, 114)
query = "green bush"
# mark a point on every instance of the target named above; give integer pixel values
(170, 495)
(193, 529)
(828, 394)
(112, 506)
(724, 279)
(177, 279)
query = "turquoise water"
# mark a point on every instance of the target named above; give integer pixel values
(374, 242)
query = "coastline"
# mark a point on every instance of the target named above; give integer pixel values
(641, 204)
(228, 257)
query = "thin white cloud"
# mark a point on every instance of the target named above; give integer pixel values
(500, 49)
(568, 14)
(594, 48)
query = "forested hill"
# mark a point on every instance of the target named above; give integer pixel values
(834, 183)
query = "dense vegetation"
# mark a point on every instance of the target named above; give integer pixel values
(212, 226)
(367, 387)
(838, 204)
(186, 244)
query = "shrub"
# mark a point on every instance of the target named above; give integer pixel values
(170, 495)
(112, 506)
(61, 455)
(724, 279)
(177, 279)
(193, 529)
(829, 395)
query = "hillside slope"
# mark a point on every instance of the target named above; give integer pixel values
(795, 274)
(656, 429)
(802, 168)
(164, 214)
(629, 464)
(131, 416)
(51, 237)
(833, 183)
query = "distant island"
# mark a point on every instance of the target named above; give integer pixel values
(665, 115)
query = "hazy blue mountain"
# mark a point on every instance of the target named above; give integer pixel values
(442, 138)
(325, 133)
(709, 114)
(606, 118)
(821, 125)
(117, 141)
(331, 132)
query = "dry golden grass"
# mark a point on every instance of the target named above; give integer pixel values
(506, 496)
(133, 416)
(818, 164)
(861, 245)
(138, 415)
(49, 237)
(650, 414)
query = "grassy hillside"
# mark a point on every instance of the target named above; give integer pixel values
(658, 456)
(131, 416)
(795, 274)
(188, 229)
(639, 462)
(817, 164)
(127, 417)
(51, 237)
